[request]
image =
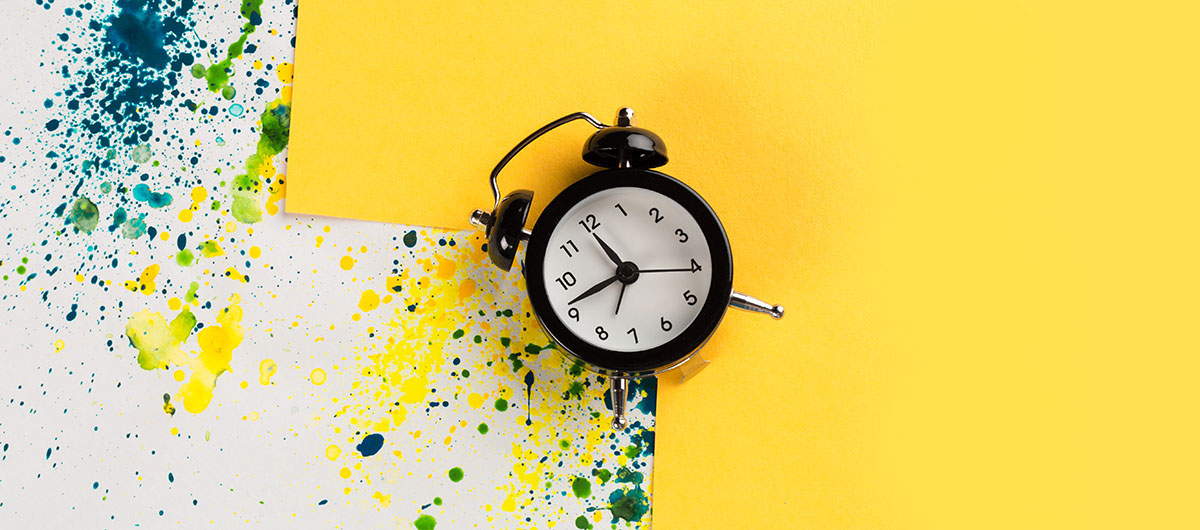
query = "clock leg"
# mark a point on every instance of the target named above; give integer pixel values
(746, 302)
(619, 394)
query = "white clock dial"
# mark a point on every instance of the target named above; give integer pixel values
(604, 304)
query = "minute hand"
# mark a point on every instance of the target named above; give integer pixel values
(594, 289)
(644, 271)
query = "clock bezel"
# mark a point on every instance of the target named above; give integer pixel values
(671, 353)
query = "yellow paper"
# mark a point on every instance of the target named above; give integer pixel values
(981, 220)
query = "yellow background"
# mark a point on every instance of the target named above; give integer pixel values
(982, 221)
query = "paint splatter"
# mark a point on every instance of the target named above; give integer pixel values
(370, 445)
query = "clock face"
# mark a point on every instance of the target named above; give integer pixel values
(642, 291)
(629, 271)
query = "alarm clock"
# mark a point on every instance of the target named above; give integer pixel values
(628, 270)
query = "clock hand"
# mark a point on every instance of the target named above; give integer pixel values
(607, 249)
(619, 297)
(643, 271)
(594, 289)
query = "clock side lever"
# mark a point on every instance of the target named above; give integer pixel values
(746, 302)
(619, 394)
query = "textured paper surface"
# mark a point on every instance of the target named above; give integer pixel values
(178, 352)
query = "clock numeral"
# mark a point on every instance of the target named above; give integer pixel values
(567, 280)
(573, 313)
(618, 206)
(666, 324)
(601, 333)
(682, 235)
(634, 333)
(691, 298)
(695, 266)
(657, 216)
(571, 244)
(589, 223)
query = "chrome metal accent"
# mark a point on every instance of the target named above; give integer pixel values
(545, 129)
(481, 219)
(526, 234)
(746, 302)
(619, 394)
(624, 117)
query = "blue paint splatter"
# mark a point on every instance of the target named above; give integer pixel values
(142, 193)
(370, 445)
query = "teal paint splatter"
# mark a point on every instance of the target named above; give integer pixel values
(134, 228)
(370, 445)
(410, 239)
(142, 193)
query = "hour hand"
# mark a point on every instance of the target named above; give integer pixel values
(594, 289)
(612, 255)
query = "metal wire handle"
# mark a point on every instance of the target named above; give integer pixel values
(545, 129)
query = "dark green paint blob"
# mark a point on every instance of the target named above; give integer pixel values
(629, 504)
(582, 523)
(455, 474)
(458, 334)
(633, 451)
(604, 475)
(437, 501)
(582, 487)
(410, 239)
(482, 428)
(425, 522)
(501, 404)
(84, 215)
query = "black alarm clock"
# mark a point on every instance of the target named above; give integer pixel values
(629, 270)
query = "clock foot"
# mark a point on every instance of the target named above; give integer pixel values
(746, 302)
(619, 393)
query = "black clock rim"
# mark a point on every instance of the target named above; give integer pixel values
(672, 352)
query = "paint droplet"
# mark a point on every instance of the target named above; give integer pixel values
(475, 400)
(236, 110)
(255, 252)
(370, 445)
(266, 369)
(347, 263)
(581, 487)
(582, 523)
(344, 473)
(317, 376)
(425, 522)
(410, 239)
(369, 299)
(483, 428)
(333, 452)
(501, 405)
(59, 345)
(455, 474)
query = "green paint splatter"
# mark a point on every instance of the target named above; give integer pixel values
(628, 504)
(276, 129)
(185, 258)
(455, 474)
(603, 475)
(482, 428)
(141, 153)
(575, 390)
(582, 523)
(437, 501)
(154, 339)
(190, 297)
(210, 249)
(134, 228)
(217, 75)
(501, 404)
(458, 334)
(425, 522)
(633, 451)
(582, 487)
(84, 215)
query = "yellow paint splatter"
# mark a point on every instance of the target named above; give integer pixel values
(369, 300)
(233, 274)
(174, 303)
(333, 452)
(211, 249)
(466, 288)
(158, 344)
(59, 345)
(475, 400)
(317, 377)
(255, 252)
(346, 263)
(145, 282)
(344, 473)
(385, 500)
(266, 369)
(284, 71)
